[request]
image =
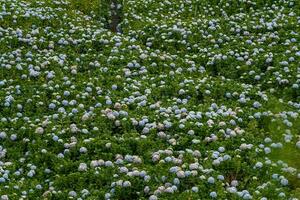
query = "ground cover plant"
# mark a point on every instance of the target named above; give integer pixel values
(149, 99)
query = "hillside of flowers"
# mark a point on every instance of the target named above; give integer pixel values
(149, 99)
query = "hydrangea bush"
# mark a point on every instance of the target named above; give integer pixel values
(149, 99)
